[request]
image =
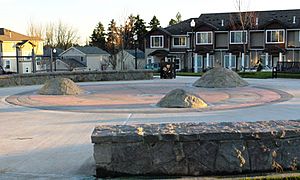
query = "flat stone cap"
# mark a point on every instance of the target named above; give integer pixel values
(195, 131)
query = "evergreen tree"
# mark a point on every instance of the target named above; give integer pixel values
(98, 37)
(128, 33)
(172, 22)
(154, 23)
(176, 20)
(113, 42)
(141, 31)
(113, 38)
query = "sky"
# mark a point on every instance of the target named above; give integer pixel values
(83, 15)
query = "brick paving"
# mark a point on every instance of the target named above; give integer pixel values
(142, 98)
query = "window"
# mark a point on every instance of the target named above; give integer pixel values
(275, 36)
(229, 63)
(203, 38)
(198, 64)
(179, 41)
(245, 63)
(265, 60)
(238, 37)
(156, 41)
(7, 64)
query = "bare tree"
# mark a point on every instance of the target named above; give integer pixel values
(59, 34)
(50, 35)
(35, 30)
(243, 20)
(65, 36)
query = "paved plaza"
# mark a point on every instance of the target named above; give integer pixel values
(49, 136)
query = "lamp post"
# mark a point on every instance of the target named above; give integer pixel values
(192, 24)
(51, 60)
(54, 55)
(135, 37)
(33, 61)
(17, 58)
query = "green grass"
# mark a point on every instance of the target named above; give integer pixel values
(188, 74)
(256, 75)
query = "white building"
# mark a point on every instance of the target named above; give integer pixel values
(126, 59)
(88, 57)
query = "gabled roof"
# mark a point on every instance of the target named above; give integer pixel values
(140, 54)
(73, 63)
(8, 35)
(180, 28)
(160, 29)
(91, 50)
(24, 42)
(264, 17)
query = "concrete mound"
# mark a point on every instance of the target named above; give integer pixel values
(60, 86)
(179, 98)
(220, 77)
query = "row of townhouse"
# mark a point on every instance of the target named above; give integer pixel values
(221, 38)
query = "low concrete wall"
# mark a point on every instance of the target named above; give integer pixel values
(41, 78)
(196, 149)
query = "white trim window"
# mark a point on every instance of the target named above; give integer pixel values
(229, 63)
(204, 38)
(179, 41)
(157, 41)
(275, 36)
(238, 37)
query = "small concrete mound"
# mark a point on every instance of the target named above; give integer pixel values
(179, 98)
(220, 77)
(60, 86)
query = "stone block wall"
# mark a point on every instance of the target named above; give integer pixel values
(196, 149)
(41, 78)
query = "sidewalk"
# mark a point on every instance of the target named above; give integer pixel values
(42, 143)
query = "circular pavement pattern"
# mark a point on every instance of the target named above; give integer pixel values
(142, 98)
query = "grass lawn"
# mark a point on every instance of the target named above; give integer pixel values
(256, 75)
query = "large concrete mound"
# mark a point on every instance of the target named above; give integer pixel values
(220, 77)
(179, 98)
(60, 86)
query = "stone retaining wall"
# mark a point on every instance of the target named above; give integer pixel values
(41, 78)
(196, 149)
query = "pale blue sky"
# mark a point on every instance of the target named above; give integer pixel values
(84, 14)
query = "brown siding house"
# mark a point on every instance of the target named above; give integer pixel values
(219, 38)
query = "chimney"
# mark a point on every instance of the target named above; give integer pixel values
(222, 23)
(256, 21)
(9, 34)
(294, 19)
